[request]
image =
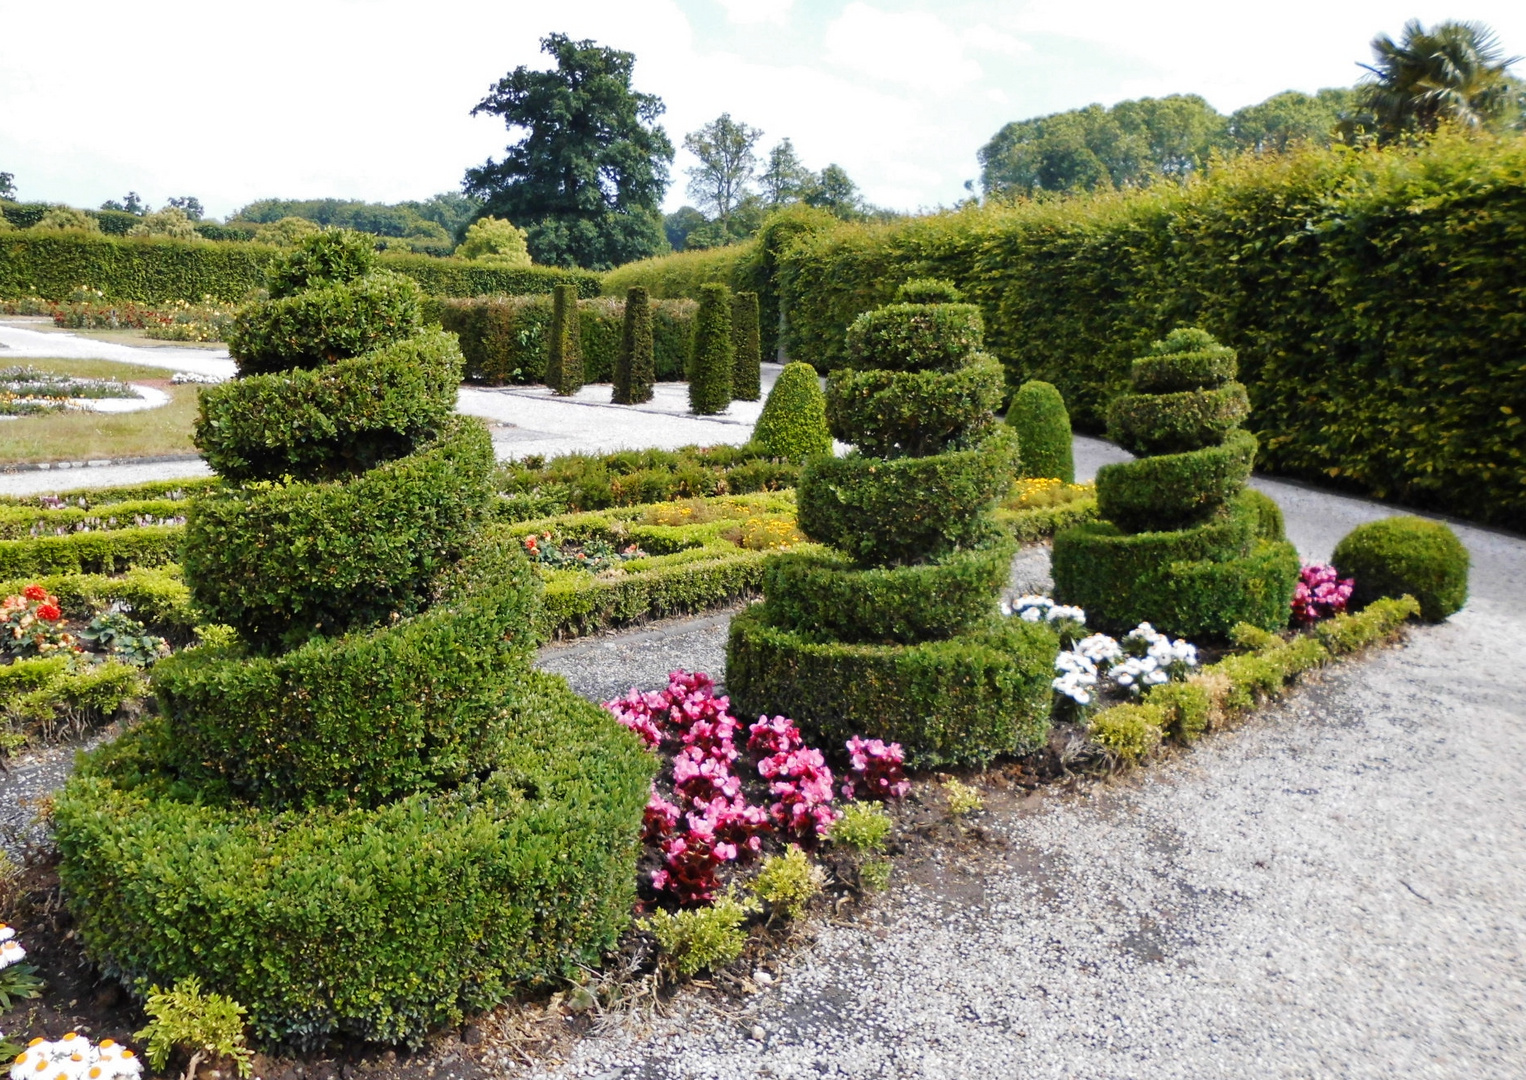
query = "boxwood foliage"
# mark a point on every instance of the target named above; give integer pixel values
(341, 418)
(957, 701)
(156, 270)
(101, 552)
(321, 923)
(422, 695)
(564, 363)
(324, 323)
(1371, 298)
(1406, 556)
(1175, 490)
(1176, 423)
(712, 353)
(635, 369)
(896, 413)
(915, 337)
(507, 339)
(1044, 437)
(793, 423)
(283, 562)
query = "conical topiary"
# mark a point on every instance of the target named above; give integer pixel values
(712, 354)
(896, 634)
(634, 372)
(564, 364)
(369, 768)
(1179, 543)
(746, 372)
(793, 423)
(1038, 415)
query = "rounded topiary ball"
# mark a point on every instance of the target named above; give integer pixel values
(1043, 432)
(1400, 555)
(793, 423)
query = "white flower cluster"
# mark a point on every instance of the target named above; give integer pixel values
(74, 1058)
(11, 951)
(1145, 658)
(180, 378)
(1034, 608)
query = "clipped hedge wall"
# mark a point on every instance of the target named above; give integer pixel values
(507, 339)
(104, 552)
(1372, 298)
(156, 270)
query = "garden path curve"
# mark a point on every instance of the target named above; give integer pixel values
(1338, 888)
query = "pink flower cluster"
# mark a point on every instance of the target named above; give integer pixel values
(1320, 593)
(711, 823)
(879, 769)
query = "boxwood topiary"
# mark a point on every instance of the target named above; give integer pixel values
(1175, 548)
(1406, 555)
(928, 291)
(337, 419)
(793, 423)
(324, 324)
(896, 637)
(634, 363)
(1269, 522)
(746, 373)
(564, 364)
(713, 352)
(1038, 415)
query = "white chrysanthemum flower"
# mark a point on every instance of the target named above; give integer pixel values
(6, 932)
(11, 952)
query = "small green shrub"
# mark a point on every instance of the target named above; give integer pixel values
(634, 370)
(747, 347)
(713, 354)
(1130, 731)
(1043, 432)
(1184, 707)
(874, 875)
(206, 1026)
(864, 827)
(793, 424)
(564, 364)
(704, 938)
(962, 799)
(788, 883)
(1379, 620)
(1401, 556)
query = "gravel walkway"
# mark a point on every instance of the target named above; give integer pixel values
(1336, 889)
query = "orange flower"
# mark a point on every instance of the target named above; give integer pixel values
(35, 592)
(49, 612)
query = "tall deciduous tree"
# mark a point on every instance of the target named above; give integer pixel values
(726, 164)
(587, 175)
(1455, 72)
(7, 185)
(785, 178)
(1291, 118)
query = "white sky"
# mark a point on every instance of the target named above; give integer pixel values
(369, 98)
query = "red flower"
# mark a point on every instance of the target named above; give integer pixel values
(35, 592)
(49, 612)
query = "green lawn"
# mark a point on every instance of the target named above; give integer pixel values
(79, 436)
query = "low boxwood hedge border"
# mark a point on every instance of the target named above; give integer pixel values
(103, 552)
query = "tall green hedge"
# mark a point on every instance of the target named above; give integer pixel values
(155, 270)
(564, 362)
(713, 352)
(1374, 298)
(507, 339)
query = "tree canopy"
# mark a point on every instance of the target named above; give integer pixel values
(1454, 72)
(724, 175)
(587, 174)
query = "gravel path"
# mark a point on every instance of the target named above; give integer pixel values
(1336, 889)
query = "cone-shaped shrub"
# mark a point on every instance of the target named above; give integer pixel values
(564, 365)
(1181, 544)
(1038, 415)
(746, 374)
(793, 424)
(898, 636)
(713, 356)
(366, 816)
(634, 371)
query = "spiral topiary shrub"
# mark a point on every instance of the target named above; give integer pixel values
(746, 372)
(1182, 543)
(793, 423)
(713, 355)
(896, 636)
(365, 816)
(1405, 555)
(1038, 415)
(634, 364)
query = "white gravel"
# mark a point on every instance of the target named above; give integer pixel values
(21, 343)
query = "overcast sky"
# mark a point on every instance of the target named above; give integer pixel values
(369, 99)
